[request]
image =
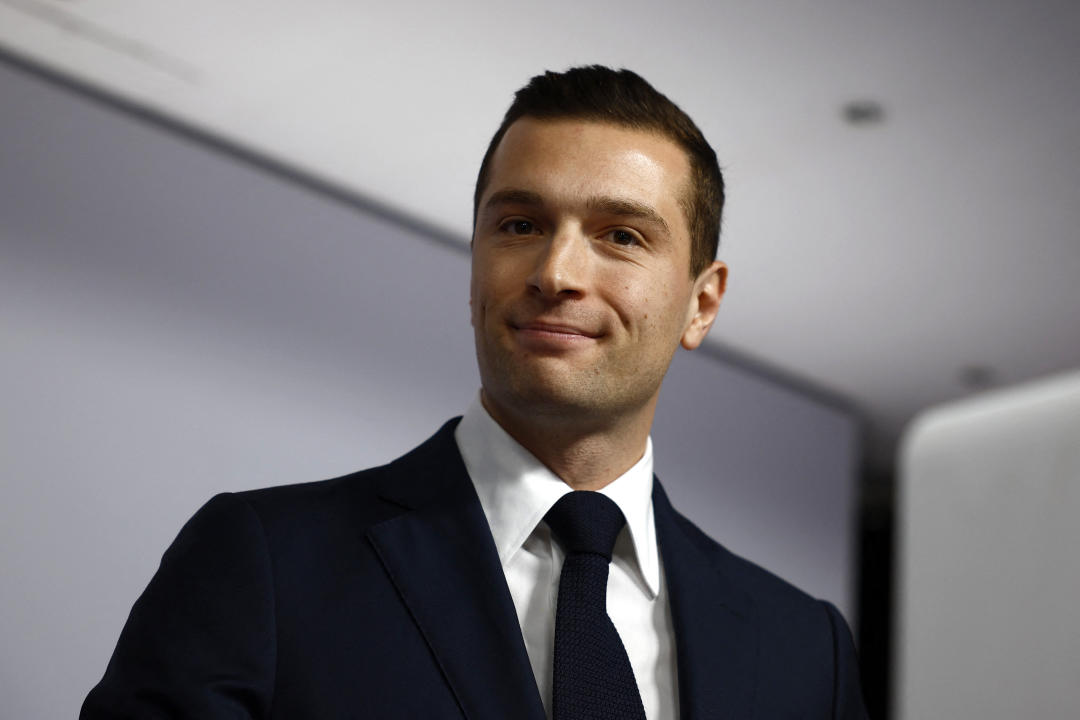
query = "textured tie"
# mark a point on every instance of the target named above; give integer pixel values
(593, 677)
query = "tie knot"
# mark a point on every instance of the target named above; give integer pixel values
(586, 522)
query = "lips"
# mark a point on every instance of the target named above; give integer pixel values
(553, 328)
(547, 335)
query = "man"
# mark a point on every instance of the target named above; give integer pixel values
(466, 579)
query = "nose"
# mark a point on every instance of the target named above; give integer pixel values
(561, 266)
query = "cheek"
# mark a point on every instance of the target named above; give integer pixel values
(474, 302)
(662, 309)
(647, 302)
(493, 281)
(636, 306)
(487, 291)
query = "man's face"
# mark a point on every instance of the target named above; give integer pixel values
(581, 289)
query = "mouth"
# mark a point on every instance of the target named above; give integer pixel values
(541, 334)
(553, 328)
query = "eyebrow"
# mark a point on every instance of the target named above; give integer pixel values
(608, 205)
(513, 196)
(627, 208)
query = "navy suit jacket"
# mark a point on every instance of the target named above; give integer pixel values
(380, 595)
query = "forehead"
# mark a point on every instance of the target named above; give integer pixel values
(568, 160)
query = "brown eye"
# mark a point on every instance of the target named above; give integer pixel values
(623, 237)
(519, 227)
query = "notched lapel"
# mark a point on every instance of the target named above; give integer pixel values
(442, 560)
(716, 636)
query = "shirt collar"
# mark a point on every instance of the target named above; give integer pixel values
(516, 490)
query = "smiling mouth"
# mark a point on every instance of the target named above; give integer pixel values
(553, 329)
(551, 335)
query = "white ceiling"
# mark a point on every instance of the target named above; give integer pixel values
(876, 261)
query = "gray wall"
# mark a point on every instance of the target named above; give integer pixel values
(176, 322)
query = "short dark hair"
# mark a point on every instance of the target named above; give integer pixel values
(625, 99)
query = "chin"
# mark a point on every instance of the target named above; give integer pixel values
(526, 392)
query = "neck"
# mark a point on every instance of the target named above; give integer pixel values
(585, 453)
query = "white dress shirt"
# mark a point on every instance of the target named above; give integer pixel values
(516, 490)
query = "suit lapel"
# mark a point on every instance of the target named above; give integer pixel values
(442, 560)
(715, 632)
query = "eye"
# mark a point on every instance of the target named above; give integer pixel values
(624, 237)
(518, 227)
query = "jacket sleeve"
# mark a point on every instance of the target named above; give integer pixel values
(200, 641)
(847, 693)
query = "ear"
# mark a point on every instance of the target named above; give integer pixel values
(705, 303)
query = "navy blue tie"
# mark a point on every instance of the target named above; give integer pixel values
(593, 677)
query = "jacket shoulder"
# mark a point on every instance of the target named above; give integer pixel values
(804, 647)
(359, 499)
(762, 584)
